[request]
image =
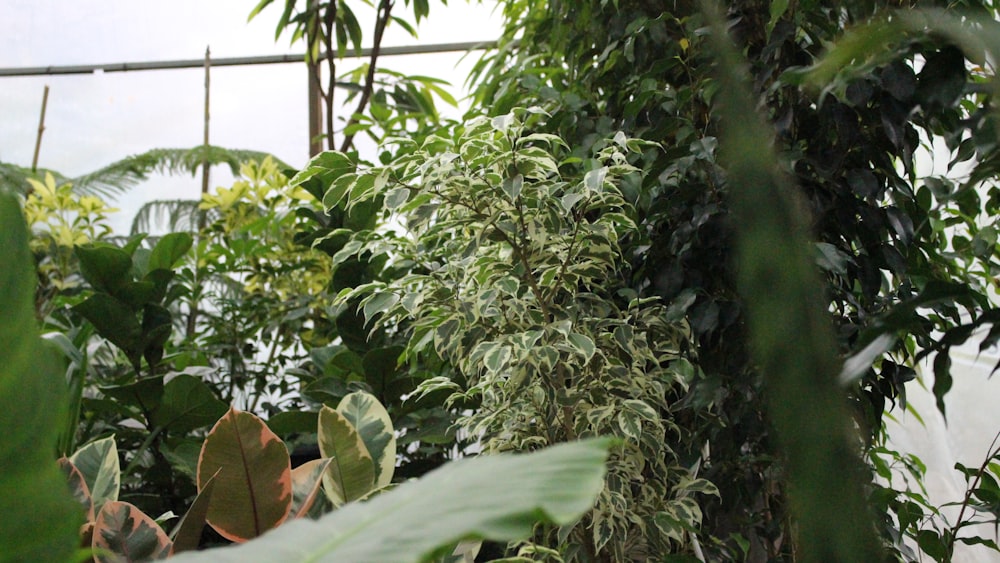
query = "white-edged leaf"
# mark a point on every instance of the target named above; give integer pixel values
(379, 303)
(583, 344)
(496, 358)
(594, 180)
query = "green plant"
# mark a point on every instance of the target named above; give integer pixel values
(511, 271)
(388, 102)
(903, 258)
(32, 401)
(246, 487)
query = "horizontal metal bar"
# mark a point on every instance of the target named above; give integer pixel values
(241, 61)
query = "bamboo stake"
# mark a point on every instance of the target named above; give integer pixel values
(41, 129)
(204, 156)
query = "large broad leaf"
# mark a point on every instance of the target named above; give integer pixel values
(495, 497)
(372, 422)
(187, 404)
(128, 534)
(114, 320)
(351, 474)
(253, 488)
(39, 519)
(169, 250)
(98, 462)
(106, 268)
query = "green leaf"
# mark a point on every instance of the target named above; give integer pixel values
(187, 535)
(396, 197)
(128, 534)
(594, 179)
(496, 357)
(98, 462)
(188, 404)
(253, 481)
(106, 268)
(113, 320)
(379, 303)
(373, 424)
(169, 250)
(293, 422)
(351, 474)
(512, 186)
(497, 497)
(145, 393)
(326, 166)
(583, 344)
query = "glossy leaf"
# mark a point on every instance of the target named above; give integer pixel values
(307, 482)
(77, 486)
(351, 474)
(170, 248)
(99, 464)
(188, 404)
(497, 497)
(253, 488)
(373, 424)
(114, 320)
(106, 268)
(129, 534)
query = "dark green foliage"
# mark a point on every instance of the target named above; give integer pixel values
(885, 240)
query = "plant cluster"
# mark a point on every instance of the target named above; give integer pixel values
(634, 256)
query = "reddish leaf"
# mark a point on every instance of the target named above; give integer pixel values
(128, 533)
(253, 485)
(306, 485)
(187, 534)
(78, 486)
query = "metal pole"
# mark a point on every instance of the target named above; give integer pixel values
(41, 129)
(241, 61)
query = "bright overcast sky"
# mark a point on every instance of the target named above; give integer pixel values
(95, 119)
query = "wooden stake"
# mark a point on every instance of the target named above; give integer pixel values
(204, 157)
(41, 129)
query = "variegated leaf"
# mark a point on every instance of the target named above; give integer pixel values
(351, 474)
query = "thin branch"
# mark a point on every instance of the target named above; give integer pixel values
(385, 9)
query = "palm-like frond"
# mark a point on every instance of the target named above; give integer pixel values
(169, 215)
(119, 177)
(14, 178)
(123, 175)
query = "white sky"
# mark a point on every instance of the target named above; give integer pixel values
(95, 119)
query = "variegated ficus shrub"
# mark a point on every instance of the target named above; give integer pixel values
(246, 485)
(512, 271)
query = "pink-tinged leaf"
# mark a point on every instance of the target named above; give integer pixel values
(351, 474)
(77, 486)
(187, 534)
(125, 533)
(307, 481)
(253, 485)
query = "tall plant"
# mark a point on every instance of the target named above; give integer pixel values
(510, 270)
